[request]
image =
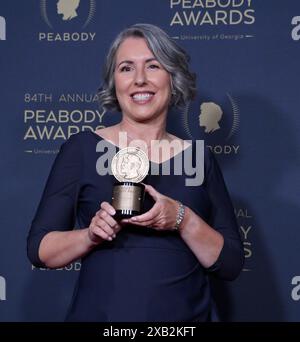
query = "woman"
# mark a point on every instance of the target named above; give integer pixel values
(154, 266)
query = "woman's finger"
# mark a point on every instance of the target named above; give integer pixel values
(151, 191)
(149, 215)
(105, 216)
(108, 207)
(149, 223)
(100, 232)
(104, 226)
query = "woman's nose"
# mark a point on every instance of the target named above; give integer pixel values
(140, 77)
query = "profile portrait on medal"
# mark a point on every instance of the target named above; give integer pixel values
(130, 165)
(149, 240)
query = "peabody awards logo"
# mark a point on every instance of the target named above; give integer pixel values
(74, 266)
(2, 29)
(69, 19)
(51, 117)
(191, 15)
(214, 122)
(245, 221)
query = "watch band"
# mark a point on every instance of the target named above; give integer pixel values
(180, 215)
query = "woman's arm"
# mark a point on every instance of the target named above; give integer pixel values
(216, 243)
(58, 249)
(51, 241)
(56, 213)
(205, 242)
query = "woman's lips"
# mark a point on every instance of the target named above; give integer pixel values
(142, 97)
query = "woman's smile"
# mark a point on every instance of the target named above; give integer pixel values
(142, 98)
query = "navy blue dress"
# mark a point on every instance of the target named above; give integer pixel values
(143, 274)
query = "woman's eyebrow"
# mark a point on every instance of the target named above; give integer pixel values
(131, 62)
(125, 61)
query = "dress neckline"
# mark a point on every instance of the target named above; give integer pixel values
(99, 137)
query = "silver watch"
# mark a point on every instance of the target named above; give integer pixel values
(180, 215)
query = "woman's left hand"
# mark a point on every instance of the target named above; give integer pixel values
(162, 216)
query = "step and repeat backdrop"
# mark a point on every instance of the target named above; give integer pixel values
(246, 54)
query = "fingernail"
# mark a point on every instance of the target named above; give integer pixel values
(110, 238)
(114, 235)
(112, 212)
(134, 219)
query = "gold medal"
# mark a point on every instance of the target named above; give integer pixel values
(130, 164)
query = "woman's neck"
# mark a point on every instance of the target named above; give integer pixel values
(143, 131)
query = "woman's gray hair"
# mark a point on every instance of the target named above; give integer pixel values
(170, 55)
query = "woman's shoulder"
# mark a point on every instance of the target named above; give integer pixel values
(106, 132)
(173, 137)
(78, 141)
(109, 134)
(88, 135)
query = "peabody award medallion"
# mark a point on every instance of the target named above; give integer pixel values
(129, 166)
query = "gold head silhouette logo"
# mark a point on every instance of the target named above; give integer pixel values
(210, 115)
(68, 8)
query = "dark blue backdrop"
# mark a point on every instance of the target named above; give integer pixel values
(246, 55)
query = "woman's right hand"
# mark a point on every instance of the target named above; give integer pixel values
(103, 226)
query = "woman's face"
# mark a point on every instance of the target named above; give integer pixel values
(142, 84)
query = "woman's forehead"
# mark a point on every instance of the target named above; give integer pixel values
(134, 48)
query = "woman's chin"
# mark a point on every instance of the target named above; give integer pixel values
(142, 116)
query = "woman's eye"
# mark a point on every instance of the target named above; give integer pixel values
(153, 66)
(125, 68)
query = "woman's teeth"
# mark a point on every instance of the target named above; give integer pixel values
(142, 96)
